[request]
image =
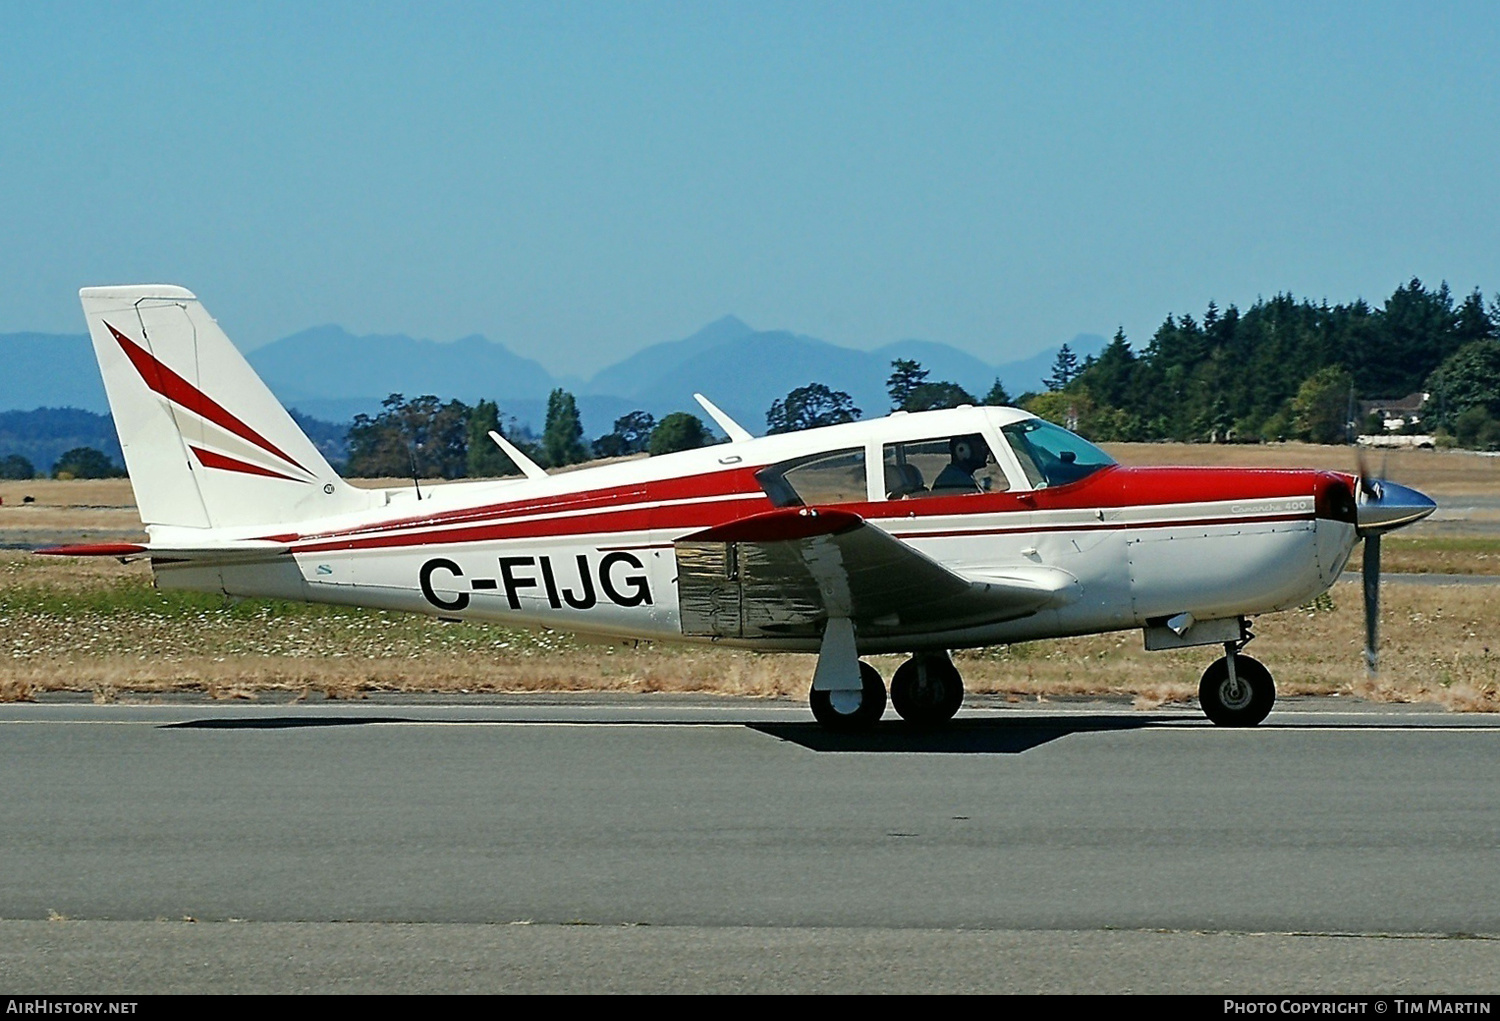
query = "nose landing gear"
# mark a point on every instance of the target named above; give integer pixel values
(1236, 691)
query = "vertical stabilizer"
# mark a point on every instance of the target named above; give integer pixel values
(206, 443)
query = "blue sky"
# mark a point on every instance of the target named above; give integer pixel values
(579, 180)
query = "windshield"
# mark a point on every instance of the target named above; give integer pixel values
(1052, 456)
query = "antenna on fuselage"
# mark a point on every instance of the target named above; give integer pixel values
(736, 432)
(411, 452)
(528, 467)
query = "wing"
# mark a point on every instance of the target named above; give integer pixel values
(786, 571)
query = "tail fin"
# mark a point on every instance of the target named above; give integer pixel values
(205, 442)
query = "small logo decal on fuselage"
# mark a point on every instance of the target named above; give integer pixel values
(618, 577)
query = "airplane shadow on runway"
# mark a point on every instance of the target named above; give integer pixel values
(282, 722)
(967, 737)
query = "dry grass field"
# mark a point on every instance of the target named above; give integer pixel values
(97, 626)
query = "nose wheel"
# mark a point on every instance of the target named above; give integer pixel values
(927, 690)
(1236, 691)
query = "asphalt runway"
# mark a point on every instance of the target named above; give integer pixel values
(660, 843)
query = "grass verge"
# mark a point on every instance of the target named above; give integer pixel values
(115, 636)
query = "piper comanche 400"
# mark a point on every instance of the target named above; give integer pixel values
(914, 533)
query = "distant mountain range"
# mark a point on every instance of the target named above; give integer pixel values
(327, 373)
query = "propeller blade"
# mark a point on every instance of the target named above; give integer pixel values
(1372, 601)
(1361, 473)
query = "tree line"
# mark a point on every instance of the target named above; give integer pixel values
(425, 437)
(1291, 369)
(1282, 369)
(78, 463)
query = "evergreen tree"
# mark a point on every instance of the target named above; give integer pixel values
(1110, 376)
(1474, 321)
(1418, 329)
(562, 439)
(998, 396)
(1064, 369)
(908, 374)
(808, 407)
(484, 459)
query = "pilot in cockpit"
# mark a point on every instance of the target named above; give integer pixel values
(967, 454)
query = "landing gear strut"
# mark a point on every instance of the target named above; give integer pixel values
(927, 690)
(1236, 691)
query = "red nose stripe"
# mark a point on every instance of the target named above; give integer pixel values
(184, 394)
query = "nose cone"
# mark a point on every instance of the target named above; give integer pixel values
(1389, 506)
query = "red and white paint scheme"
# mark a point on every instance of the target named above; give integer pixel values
(915, 533)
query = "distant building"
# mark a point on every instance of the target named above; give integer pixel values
(1395, 414)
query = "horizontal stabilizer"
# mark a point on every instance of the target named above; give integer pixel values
(218, 553)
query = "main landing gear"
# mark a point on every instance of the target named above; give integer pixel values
(851, 710)
(1236, 691)
(926, 690)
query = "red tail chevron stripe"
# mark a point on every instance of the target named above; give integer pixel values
(184, 394)
(224, 462)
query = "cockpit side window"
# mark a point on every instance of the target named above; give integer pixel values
(1052, 456)
(946, 466)
(830, 477)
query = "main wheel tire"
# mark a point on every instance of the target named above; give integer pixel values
(851, 710)
(927, 690)
(1245, 708)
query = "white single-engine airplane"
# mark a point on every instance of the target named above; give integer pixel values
(914, 533)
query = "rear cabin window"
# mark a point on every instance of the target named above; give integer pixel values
(946, 466)
(837, 477)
